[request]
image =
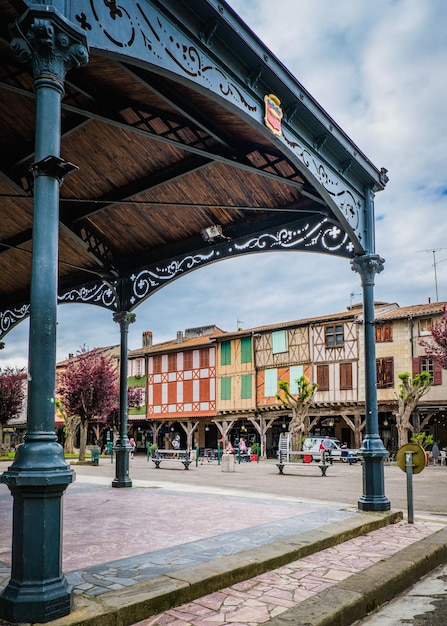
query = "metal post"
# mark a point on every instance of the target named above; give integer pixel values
(373, 450)
(122, 446)
(38, 590)
(409, 471)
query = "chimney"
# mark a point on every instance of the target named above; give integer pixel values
(147, 339)
(179, 336)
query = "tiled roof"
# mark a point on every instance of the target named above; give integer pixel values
(416, 310)
(113, 350)
(173, 344)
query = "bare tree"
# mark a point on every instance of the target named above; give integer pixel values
(411, 391)
(299, 403)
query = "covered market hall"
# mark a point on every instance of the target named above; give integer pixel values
(142, 140)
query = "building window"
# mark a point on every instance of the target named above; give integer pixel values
(424, 364)
(384, 332)
(225, 353)
(172, 362)
(345, 376)
(385, 372)
(295, 373)
(323, 377)
(246, 353)
(279, 342)
(188, 360)
(225, 388)
(270, 382)
(157, 363)
(246, 385)
(425, 325)
(334, 336)
(204, 357)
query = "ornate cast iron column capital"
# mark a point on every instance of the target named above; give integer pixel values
(367, 265)
(124, 318)
(53, 45)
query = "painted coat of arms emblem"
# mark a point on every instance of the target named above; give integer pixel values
(273, 113)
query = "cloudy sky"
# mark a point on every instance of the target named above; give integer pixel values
(378, 69)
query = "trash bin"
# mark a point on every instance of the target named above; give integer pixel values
(95, 456)
(307, 458)
(227, 463)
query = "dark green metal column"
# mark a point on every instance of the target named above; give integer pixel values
(373, 450)
(39, 475)
(122, 447)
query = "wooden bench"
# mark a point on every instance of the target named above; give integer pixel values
(175, 456)
(283, 461)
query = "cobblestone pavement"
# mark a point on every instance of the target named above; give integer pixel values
(262, 598)
(137, 534)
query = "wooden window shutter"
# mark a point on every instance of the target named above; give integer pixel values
(172, 362)
(188, 391)
(270, 382)
(323, 377)
(279, 342)
(204, 356)
(416, 366)
(387, 332)
(225, 388)
(437, 373)
(385, 372)
(204, 389)
(225, 353)
(345, 375)
(389, 372)
(246, 385)
(172, 392)
(188, 360)
(246, 350)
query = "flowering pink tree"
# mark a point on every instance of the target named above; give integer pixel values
(436, 347)
(12, 395)
(89, 389)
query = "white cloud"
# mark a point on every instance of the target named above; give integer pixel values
(378, 69)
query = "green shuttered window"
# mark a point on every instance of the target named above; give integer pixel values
(246, 386)
(225, 388)
(225, 353)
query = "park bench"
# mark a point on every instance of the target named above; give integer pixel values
(173, 456)
(296, 459)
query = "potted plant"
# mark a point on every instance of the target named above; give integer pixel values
(423, 440)
(152, 449)
(254, 451)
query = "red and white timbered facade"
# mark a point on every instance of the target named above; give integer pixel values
(182, 382)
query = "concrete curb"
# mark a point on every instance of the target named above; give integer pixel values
(362, 593)
(137, 602)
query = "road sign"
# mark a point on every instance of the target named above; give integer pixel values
(418, 456)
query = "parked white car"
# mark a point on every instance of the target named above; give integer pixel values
(312, 445)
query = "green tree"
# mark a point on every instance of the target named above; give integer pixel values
(410, 392)
(422, 439)
(299, 403)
